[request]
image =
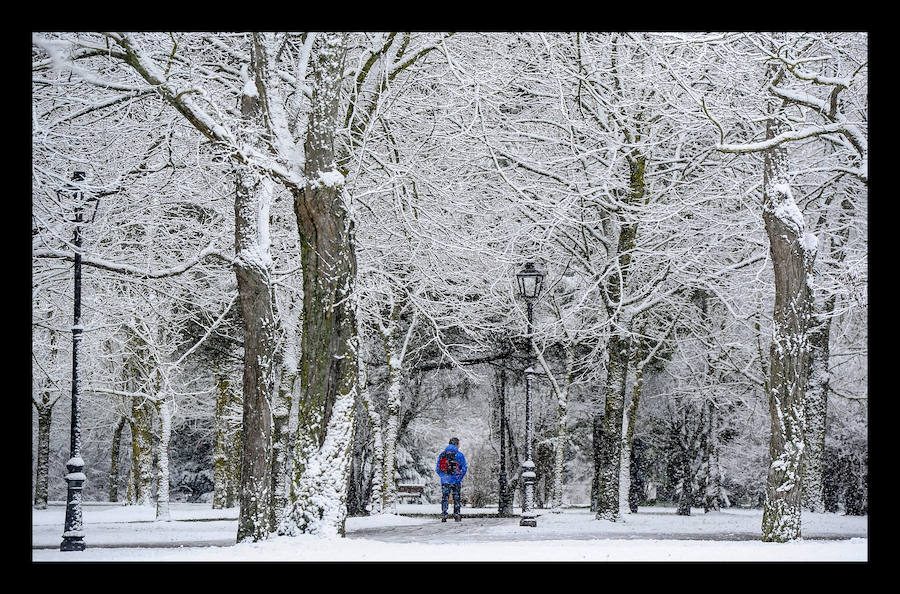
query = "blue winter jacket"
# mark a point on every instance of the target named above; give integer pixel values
(449, 479)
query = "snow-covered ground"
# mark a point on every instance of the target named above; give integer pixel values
(199, 533)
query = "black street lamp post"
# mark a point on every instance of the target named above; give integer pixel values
(531, 281)
(73, 534)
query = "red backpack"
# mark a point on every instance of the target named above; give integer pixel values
(447, 463)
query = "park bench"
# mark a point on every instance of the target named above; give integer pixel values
(410, 493)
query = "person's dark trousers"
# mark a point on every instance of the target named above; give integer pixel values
(445, 498)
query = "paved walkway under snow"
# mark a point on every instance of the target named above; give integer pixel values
(196, 525)
(579, 524)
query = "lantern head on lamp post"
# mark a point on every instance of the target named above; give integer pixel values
(531, 281)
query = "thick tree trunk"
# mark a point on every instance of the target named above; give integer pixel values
(328, 363)
(712, 478)
(608, 507)
(793, 253)
(254, 522)
(619, 349)
(131, 484)
(260, 324)
(115, 448)
(141, 451)
(253, 267)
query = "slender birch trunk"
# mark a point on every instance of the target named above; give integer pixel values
(376, 498)
(816, 408)
(281, 419)
(392, 429)
(392, 422)
(235, 444)
(164, 412)
(281, 441)
(562, 435)
(629, 423)
(396, 353)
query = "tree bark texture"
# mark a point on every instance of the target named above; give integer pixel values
(42, 470)
(44, 408)
(253, 268)
(328, 357)
(395, 354)
(792, 258)
(377, 481)
(281, 442)
(562, 437)
(164, 412)
(141, 451)
(220, 451)
(713, 474)
(327, 257)
(260, 323)
(115, 448)
(235, 443)
(619, 349)
(629, 424)
(815, 410)
(611, 436)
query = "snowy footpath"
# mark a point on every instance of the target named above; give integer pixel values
(198, 533)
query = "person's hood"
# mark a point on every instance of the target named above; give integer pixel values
(451, 448)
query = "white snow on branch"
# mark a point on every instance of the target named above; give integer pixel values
(790, 135)
(129, 269)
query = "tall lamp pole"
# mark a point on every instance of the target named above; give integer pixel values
(73, 533)
(530, 281)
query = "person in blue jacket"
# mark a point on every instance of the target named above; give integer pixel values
(450, 481)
